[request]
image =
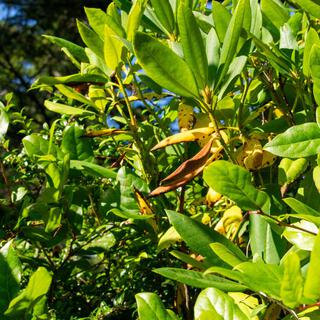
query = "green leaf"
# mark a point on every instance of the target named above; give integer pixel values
(225, 254)
(164, 67)
(73, 142)
(112, 49)
(134, 18)
(213, 54)
(275, 12)
(73, 94)
(300, 207)
(234, 182)
(199, 280)
(232, 38)
(213, 304)
(93, 169)
(186, 258)
(261, 277)
(164, 13)
(10, 275)
(37, 287)
(76, 51)
(134, 215)
(312, 283)
(198, 237)
(310, 7)
(192, 44)
(221, 19)
(91, 39)
(316, 177)
(64, 109)
(292, 282)
(311, 39)
(99, 19)
(301, 239)
(170, 237)
(298, 141)
(34, 144)
(4, 122)
(77, 78)
(290, 170)
(151, 307)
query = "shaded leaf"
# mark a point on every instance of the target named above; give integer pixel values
(10, 275)
(73, 142)
(199, 280)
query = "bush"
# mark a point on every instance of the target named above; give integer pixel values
(184, 128)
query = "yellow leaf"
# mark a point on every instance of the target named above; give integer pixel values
(185, 116)
(185, 136)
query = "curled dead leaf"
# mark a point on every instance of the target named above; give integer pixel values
(187, 170)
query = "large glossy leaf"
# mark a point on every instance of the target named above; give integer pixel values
(311, 39)
(232, 37)
(275, 12)
(213, 304)
(235, 182)
(192, 44)
(73, 142)
(303, 240)
(213, 55)
(290, 170)
(292, 282)
(164, 13)
(37, 287)
(310, 6)
(64, 109)
(164, 67)
(10, 275)
(76, 51)
(312, 284)
(150, 307)
(199, 280)
(112, 48)
(134, 18)
(91, 39)
(221, 18)
(261, 277)
(199, 236)
(298, 141)
(99, 19)
(225, 254)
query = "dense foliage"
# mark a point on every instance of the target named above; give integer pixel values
(181, 172)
